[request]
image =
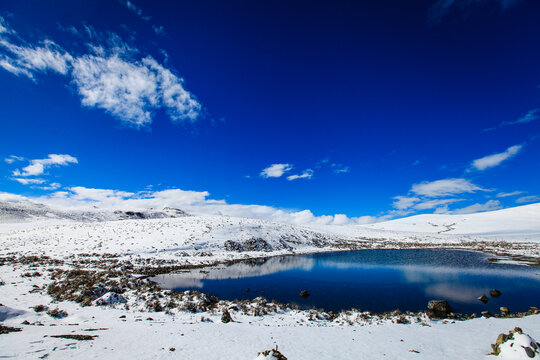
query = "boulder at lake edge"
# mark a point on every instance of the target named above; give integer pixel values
(439, 309)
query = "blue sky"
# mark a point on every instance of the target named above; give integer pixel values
(376, 109)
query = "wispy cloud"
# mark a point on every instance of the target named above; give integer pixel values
(4, 28)
(159, 30)
(337, 168)
(27, 59)
(507, 194)
(38, 166)
(275, 170)
(405, 202)
(110, 77)
(13, 158)
(25, 181)
(306, 174)
(493, 160)
(135, 9)
(340, 169)
(441, 8)
(528, 199)
(488, 206)
(434, 203)
(50, 187)
(419, 204)
(445, 187)
(530, 116)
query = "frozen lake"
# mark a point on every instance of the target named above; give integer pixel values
(374, 280)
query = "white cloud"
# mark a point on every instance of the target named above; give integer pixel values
(528, 199)
(488, 206)
(11, 197)
(50, 187)
(29, 181)
(38, 166)
(306, 174)
(110, 77)
(496, 159)
(13, 158)
(435, 203)
(275, 170)
(513, 193)
(196, 202)
(417, 203)
(404, 202)
(445, 187)
(130, 89)
(26, 59)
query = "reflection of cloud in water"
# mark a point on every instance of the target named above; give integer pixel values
(423, 274)
(171, 282)
(457, 293)
(428, 273)
(260, 267)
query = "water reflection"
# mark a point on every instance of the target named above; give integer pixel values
(377, 280)
(252, 268)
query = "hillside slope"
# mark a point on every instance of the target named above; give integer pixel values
(517, 222)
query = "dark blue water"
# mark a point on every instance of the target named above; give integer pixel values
(374, 280)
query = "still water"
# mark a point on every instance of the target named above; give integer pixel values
(375, 280)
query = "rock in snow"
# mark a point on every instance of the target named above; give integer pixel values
(110, 298)
(516, 345)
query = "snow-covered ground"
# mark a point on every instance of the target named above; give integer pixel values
(518, 223)
(42, 245)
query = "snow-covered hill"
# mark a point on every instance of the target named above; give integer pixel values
(170, 234)
(521, 222)
(165, 238)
